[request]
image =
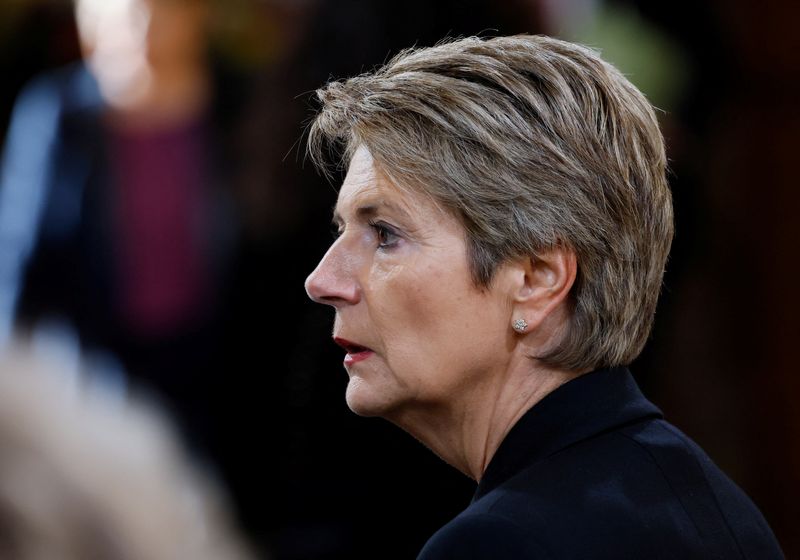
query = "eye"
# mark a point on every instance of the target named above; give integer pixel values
(387, 237)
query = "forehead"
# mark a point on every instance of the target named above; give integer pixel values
(363, 178)
(366, 184)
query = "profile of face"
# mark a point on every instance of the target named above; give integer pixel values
(420, 336)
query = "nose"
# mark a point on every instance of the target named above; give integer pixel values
(333, 281)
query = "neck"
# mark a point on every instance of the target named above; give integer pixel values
(466, 432)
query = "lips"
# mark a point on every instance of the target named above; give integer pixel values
(355, 352)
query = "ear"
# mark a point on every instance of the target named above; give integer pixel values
(541, 285)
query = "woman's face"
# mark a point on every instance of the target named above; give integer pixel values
(418, 333)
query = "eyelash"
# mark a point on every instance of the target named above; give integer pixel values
(387, 237)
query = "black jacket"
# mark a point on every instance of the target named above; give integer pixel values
(593, 471)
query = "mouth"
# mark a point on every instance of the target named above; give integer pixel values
(355, 352)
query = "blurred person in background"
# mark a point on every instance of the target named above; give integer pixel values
(85, 475)
(122, 224)
(118, 225)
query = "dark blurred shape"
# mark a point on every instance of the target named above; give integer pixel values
(723, 366)
(34, 34)
(87, 475)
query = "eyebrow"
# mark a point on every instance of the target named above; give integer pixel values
(368, 211)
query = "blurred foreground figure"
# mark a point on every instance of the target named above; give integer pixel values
(84, 476)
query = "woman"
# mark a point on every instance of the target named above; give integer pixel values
(504, 226)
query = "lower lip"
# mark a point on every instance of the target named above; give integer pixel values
(351, 359)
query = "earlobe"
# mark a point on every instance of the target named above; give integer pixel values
(519, 325)
(543, 284)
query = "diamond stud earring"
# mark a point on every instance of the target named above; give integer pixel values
(520, 325)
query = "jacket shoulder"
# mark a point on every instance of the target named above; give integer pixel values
(717, 507)
(483, 536)
(639, 491)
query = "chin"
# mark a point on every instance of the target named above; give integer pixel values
(366, 401)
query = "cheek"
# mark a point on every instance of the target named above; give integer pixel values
(402, 312)
(425, 315)
(407, 298)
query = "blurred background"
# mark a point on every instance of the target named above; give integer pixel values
(157, 217)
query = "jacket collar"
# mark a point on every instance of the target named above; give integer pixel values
(583, 407)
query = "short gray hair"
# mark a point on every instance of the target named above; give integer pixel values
(533, 143)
